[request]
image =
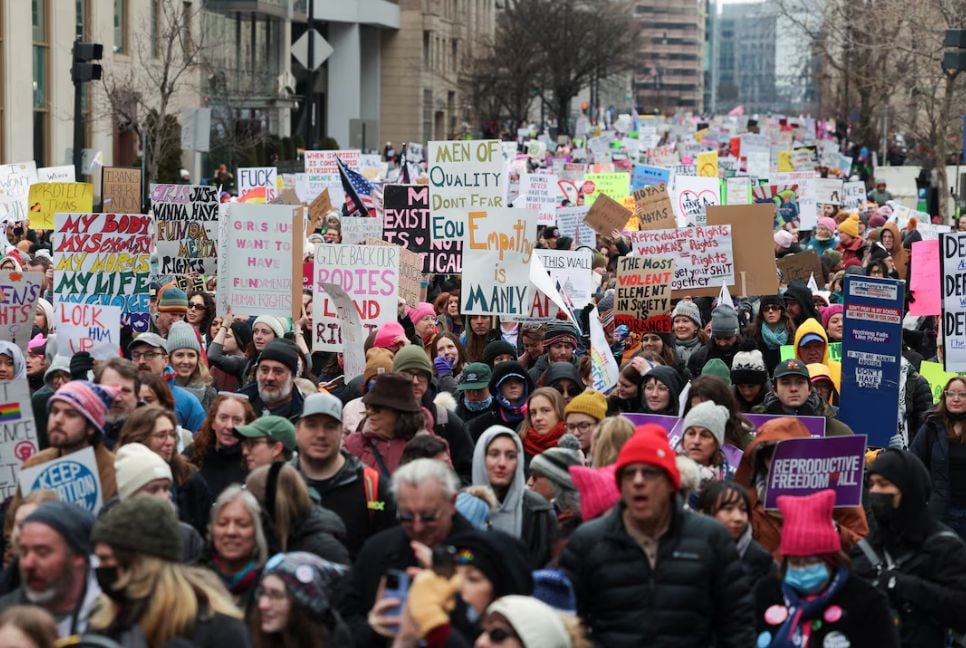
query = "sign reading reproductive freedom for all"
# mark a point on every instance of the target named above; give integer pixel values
(808, 465)
(369, 274)
(497, 248)
(187, 228)
(464, 176)
(703, 255)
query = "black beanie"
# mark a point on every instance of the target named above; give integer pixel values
(497, 348)
(142, 525)
(282, 351)
(71, 522)
(242, 332)
(500, 556)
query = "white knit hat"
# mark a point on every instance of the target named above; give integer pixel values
(135, 465)
(687, 308)
(537, 624)
(710, 416)
(277, 325)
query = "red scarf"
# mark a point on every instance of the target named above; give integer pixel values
(535, 443)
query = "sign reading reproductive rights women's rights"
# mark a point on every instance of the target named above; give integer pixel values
(497, 247)
(369, 274)
(187, 228)
(952, 257)
(255, 260)
(808, 465)
(871, 351)
(19, 440)
(73, 477)
(90, 328)
(464, 176)
(703, 255)
(18, 303)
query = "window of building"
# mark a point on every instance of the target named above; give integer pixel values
(41, 65)
(426, 49)
(120, 26)
(427, 115)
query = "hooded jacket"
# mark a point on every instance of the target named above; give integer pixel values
(813, 406)
(766, 526)
(929, 588)
(900, 257)
(812, 325)
(672, 380)
(800, 293)
(542, 364)
(522, 513)
(819, 370)
(559, 371)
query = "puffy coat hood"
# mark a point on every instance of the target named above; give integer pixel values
(812, 325)
(672, 379)
(508, 517)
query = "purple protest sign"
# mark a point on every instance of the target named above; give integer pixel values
(814, 424)
(806, 466)
(666, 422)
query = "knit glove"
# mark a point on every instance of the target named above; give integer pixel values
(443, 366)
(80, 364)
(430, 600)
(896, 441)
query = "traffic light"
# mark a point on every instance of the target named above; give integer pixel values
(954, 58)
(82, 70)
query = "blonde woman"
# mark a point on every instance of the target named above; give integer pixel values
(612, 433)
(184, 351)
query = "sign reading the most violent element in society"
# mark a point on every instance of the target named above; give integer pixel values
(255, 264)
(47, 198)
(952, 257)
(871, 348)
(73, 477)
(121, 190)
(406, 222)
(642, 300)
(464, 176)
(91, 328)
(369, 274)
(104, 259)
(18, 302)
(805, 466)
(703, 255)
(187, 228)
(497, 248)
(19, 432)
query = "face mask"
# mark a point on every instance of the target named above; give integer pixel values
(478, 406)
(107, 579)
(807, 580)
(881, 506)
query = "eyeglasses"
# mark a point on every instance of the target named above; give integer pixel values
(417, 376)
(146, 355)
(499, 635)
(583, 427)
(196, 307)
(164, 434)
(410, 518)
(954, 395)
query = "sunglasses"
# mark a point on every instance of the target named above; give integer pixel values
(425, 518)
(499, 635)
(196, 307)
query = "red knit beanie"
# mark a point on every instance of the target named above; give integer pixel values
(649, 445)
(808, 528)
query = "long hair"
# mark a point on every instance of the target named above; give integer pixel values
(237, 493)
(785, 320)
(140, 426)
(169, 595)
(205, 438)
(611, 435)
(303, 630)
(160, 388)
(956, 433)
(200, 376)
(717, 391)
(475, 344)
(556, 401)
(291, 502)
(460, 351)
(209, 309)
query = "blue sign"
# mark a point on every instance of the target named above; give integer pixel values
(645, 176)
(871, 351)
(72, 480)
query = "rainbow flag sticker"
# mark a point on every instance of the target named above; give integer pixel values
(9, 412)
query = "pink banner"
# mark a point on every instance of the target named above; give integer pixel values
(925, 282)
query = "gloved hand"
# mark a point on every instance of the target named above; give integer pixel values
(443, 366)
(431, 599)
(80, 364)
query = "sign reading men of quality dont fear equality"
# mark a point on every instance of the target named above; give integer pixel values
(463, 176)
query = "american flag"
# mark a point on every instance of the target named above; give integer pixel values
(358, 191)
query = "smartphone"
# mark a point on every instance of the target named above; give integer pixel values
(397, 587)
(443, 563)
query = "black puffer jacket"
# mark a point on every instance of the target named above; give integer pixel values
(710, 351)
(698, 595)
(320, 532)
(931, 445)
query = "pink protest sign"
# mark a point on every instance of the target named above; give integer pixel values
(925, 282)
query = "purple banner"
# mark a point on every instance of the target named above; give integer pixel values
(814, 424)
(666, 422)
(806, 466)
(674, 428)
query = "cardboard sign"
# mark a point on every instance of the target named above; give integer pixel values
(692, 197)
(463, 176)
(356, 229)
(73, 477)
(800, 266)
(19, 433)
(642, 301)
(572, 271)
(105, 259)
(814, 424)
(19, 292)
(47, 198)
(121, 190)
(318, 208)
(652, 206)
(369, 275)
(805, 466)
(186, 217)
(93, 328)
(251, 179)
(871, 350)
(755, 272)
(952, 248)
(406, 222)
(571, 223)
(614, 185)
(353, 341)
(604, 370)
(607, 215)
(925, 283)
(853, 195)
(703, 255)
(497, 248)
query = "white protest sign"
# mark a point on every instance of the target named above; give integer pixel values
(56, 174)
(369, 275)
(692, 197)
(571, 223)
(541, 282)
(353, 341)
(19, 292)
(251, 178)
(807, 204)
(324, 169)
(74, 477)
(757, 163)
(703, 255)
(94, 328)
(497, 248)
(309, 185)
(853, 195)
(604, 370)
(828, 191)
(356, 229)
(738, 191)
(15, 181)
(19, 432)
(572, 271)
(540, 193)
(464, 176)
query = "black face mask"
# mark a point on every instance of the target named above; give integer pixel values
(107, 579)
(881, 506)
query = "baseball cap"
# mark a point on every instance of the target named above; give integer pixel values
(151, 339)
(275, 428)
(322, 404)
(791, 367)
(476, 375)
(811, 337)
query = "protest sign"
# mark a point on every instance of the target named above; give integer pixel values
(318, 208)
(63, 173)
(784, 161)
(692, 197)
(604, 370)
(936, 376)
(737, 191)
(871, 348)
(542, 301)
(353, 340)
(369, 274)
(541, 193)
(91, 328)
(642, 301)
(814, 424)
(260, 248)
(571, 223)
(251, 179)
(615, 185)
(652, 206)
(104, 259)
(828, 191)
(783, 199)
(645, 175)
(703, 255)
(74, 477)
(805, 466)
(787, 351)
(707, 164)
(571, 270)
(120, 190)
(953, 272)
(19, 432)
(19, 292)
(15, 181)
(411, 282)
(186, 219)
(666, 422)
(406, 222)
(463, 176)
(47, 198)
(853, 195)
(356, 229)
(805, 203)
(607, 215)
(924, 283)
(309, 186)
(497, 247)
(322, 172)
(800, 266)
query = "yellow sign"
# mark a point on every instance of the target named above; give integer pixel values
(48, 198)
(785, 164)
(707, 164)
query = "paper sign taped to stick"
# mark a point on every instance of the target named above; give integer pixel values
(120, 190)
(606, 215)
(703, 255)
(642, 301)
(91, 328)
(47, 198)
(805, 466)
(652, 206)
(19, 292)
(463, 176)
(497, 249)
(572, 271)
(353, 341)
(19, 433)
(74, 477)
